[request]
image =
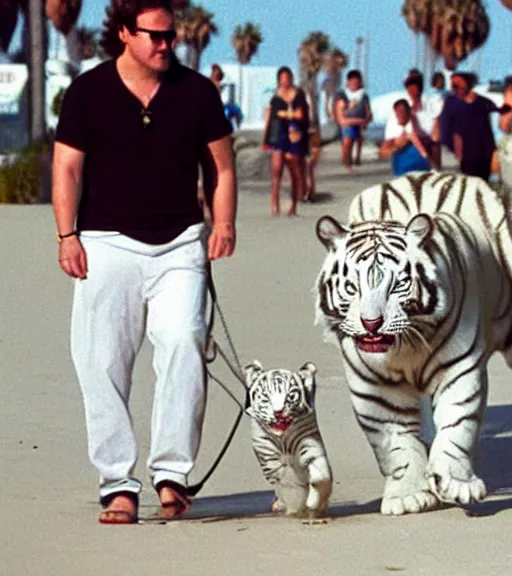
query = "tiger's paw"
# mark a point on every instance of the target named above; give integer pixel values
(277, 506)
(318, 497)
(456, 490)
(409, 504)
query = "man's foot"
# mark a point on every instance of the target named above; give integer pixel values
(173, 499)
(120, 508)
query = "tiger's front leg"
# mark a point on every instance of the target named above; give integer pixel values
(458, 411)
(313, 459)
(390, 418)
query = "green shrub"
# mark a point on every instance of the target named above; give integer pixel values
(57, 102)
(22, 181)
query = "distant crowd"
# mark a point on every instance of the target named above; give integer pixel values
(458, 118)
(420, 125)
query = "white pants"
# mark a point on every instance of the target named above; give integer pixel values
(133, 288)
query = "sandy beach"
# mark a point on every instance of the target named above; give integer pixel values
(48, 498)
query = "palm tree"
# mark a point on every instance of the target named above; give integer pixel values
(63, 14)
(312, 51)
(179, 4)
(334, 62)
(35, 33)
(8, 19)
(195, 27)
(454, 27)
(465, 27)
(246, 40)
(87, 39)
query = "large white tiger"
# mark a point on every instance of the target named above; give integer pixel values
(418, 292)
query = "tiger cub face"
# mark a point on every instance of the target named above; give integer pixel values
(378, 284)
(277, 397)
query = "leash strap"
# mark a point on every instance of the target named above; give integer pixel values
(212, 349)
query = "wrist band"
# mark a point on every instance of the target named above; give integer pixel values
(60, 237)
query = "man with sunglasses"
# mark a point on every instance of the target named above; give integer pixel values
(131, 233)
(466, 127)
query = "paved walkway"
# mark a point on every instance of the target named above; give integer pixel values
(48, 510)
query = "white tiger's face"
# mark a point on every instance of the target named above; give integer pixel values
(378, 284)
(277, 397)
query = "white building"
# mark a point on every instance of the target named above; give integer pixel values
(251, 88)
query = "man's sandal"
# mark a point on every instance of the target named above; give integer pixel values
(118, 515)
(178, 505)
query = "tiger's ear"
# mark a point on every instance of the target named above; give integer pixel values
(420, 229)
(328, 230)
(307, 373)
(252, 371)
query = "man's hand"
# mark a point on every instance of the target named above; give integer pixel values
(221, 243)
(72, 258)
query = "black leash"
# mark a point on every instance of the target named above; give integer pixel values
(212, 350)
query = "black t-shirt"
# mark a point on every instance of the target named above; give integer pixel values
(141, 181)
(471, 121)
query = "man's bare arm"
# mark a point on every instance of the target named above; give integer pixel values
(223, 236)
(67, 172)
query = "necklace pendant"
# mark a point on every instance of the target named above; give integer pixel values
(146, 117)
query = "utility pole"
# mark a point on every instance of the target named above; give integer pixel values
(36, 71)
(366, 62)
(358, 54)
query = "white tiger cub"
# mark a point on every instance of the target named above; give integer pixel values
(286, 438)
(418, 293)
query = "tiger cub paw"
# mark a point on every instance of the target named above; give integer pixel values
(456, 490)
(409, 504)
(277, 506)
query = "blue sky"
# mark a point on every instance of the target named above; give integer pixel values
(285, 23)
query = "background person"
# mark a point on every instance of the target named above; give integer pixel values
(216, 76)
(466, 127)
(352, 113)
(505, 120)
(132, 130)
(286, 133)
(435, 104)
(404, 142)
(315, 146)
(505, 145)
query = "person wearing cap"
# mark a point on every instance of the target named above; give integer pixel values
(466, 127)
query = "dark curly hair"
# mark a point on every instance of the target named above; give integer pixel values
(124, 13)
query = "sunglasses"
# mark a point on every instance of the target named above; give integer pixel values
(168, 36)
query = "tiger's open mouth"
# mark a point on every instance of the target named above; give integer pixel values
(281, 426)
(380, 343)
